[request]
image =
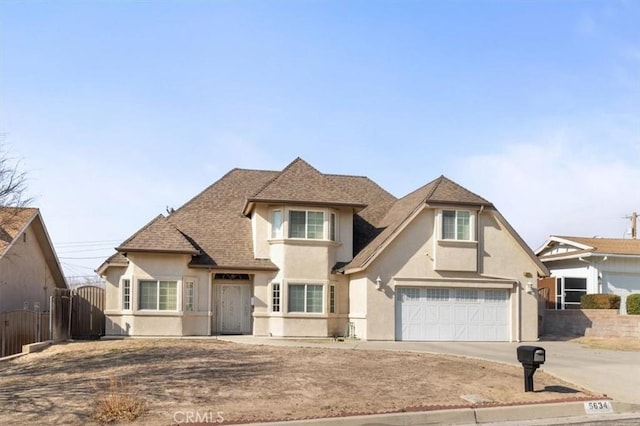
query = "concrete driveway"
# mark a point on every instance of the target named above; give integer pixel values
(612, 373)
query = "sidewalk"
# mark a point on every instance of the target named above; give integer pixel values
(615, 374)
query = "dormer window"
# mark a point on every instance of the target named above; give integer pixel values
(456, 225)
(306, 224)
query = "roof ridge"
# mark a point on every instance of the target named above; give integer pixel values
(140, 230)
(466, 189)
(297, 160)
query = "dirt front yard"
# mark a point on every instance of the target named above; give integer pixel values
(218, 380)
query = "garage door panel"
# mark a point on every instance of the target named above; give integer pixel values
(452, 314)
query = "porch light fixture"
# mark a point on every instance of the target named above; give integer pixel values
(378, 283)
(529, 287)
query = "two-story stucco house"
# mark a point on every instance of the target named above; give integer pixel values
(301, 253)
(29, 268)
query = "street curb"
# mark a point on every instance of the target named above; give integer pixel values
(467, 416)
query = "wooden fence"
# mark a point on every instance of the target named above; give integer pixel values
(76, 314)
(87, 313)
(22, 327)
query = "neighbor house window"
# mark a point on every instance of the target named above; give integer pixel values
(275, 297)
(456, 225)
(305, 298)
(126, 294)
(306, 224)
(276, 224)
(332, 299)
(158, 295)
(189, 296)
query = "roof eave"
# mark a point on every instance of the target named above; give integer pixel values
(156, 251)
(252, 201)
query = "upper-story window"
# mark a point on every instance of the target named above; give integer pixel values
(276, 224)
(456, 225)
(306, 224)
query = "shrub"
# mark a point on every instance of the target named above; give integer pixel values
(633, 304)
(118, 404)
(600, 301)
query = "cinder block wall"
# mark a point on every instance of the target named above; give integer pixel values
(590, 322)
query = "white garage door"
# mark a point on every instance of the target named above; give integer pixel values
(622, 285)
(449, 314)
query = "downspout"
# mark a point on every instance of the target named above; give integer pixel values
(210, 315)
(51, 318)
(518, 312)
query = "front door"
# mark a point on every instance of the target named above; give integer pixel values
(569, 291)
(234, 309)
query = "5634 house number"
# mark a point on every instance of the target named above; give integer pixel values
(597, 407)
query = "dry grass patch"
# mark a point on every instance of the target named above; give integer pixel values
(118, 403)
(245, 382)
(611, 343)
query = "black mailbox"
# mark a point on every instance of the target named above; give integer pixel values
(531, 357)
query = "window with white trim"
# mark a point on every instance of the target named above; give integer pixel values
(332, 299)
(305, 298)
(126, 294)
(158, 295)
(456, 225)
(275, 297)
(306, 224)
(276, 224)
(333, 227)
(189, 296)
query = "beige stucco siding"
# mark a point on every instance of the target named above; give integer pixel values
(409, 260)
(25, 276)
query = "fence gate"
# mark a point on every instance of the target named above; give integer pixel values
(87, 312)
(22, 327)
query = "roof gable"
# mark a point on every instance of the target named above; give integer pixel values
(562, 247)
(14, 221)
(299, 182)
(439, 191)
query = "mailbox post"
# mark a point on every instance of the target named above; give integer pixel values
(531, 357)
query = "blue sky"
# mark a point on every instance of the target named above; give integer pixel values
(120, 108)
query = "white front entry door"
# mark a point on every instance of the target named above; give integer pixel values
(234, 309)
(450, 314)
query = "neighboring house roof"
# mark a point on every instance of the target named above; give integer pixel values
(439, 191)
(14, 221)
(562, 247)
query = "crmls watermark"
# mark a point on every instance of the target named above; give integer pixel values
(197, 416)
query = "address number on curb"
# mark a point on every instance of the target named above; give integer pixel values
(598, 407)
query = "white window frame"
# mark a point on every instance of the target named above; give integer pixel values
(457, 236)
(276, 297)
(158, 285)
(332, 299)
(126, 294)
(306, 224)
(333, 226)
(277, 232)
(189, 295)
(305, 298)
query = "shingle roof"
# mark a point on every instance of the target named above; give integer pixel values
(212, 225)
(612, 246)
(12, 221)
(214, 221)
(299, 182)
(439, 191)
(159, 235)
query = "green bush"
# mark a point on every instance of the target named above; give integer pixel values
(600, 301)
(633, 304)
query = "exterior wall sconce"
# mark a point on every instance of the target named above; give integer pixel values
(378, 283)
(529, 286)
